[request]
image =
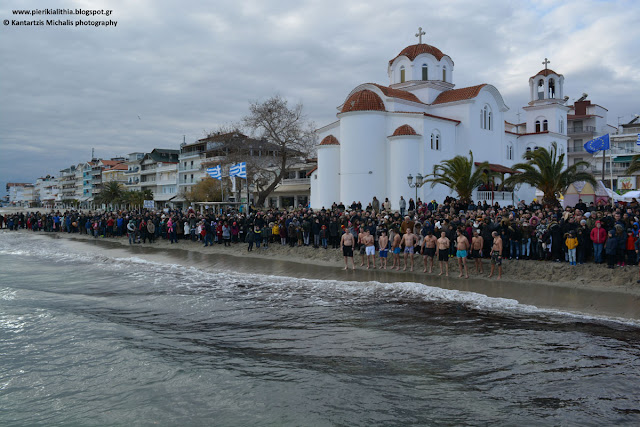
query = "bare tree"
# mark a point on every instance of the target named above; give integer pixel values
(287, 129)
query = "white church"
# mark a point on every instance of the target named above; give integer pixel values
(385, 133)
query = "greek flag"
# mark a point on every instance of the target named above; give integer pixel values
(239, 170)
(597, 144)
(215, 172)
(638, 141)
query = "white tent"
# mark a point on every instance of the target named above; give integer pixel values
(628, 196)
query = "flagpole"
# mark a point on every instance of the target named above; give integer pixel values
(611, 173)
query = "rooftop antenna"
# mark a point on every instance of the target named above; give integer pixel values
(93, 154)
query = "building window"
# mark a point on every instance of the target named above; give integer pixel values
(545, 125)
(486, 118)
(509, 152)
(402, 75)
(537, 125)
(540, 89)
(444, 73)
(435, 141)
(425, 72)
(552, 88)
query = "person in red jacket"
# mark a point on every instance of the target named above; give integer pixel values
(598, 237)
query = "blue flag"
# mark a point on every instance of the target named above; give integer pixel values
(215, 172)
(638, 141)
(597, 144)
(239, 170)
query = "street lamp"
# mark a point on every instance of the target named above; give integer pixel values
(419, 183)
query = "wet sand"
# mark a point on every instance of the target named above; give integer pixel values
(595, 297)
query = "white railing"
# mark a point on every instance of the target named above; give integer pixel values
(481, 196)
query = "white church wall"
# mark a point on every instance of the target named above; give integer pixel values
(362, 160)
(403, 160)
(432, 65)
(315, 189)
(329, 167)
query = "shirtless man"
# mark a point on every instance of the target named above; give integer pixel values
(443, 253)
(462, 245)
(476, 250)
(409, 239)
(361, 245)
(496, 254)
(346, 243)
(429, 250)
(370, 248)
(395, 247)
(383, 241)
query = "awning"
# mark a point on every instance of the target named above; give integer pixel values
(498, 168)
(622, 159)
(293, 188)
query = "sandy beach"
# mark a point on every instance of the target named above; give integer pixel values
(589, 288)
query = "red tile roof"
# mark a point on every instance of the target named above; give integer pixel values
(397, 93)
(546, 72)
(458, 94)
(119, 167)
(312, 171)
(329, 140)
(414, 50)
(363, 100)
(404, 130)
(499, 168)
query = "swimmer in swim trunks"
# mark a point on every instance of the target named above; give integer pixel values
(496, 257)
(370, 248)
(346, 243)
(409, 239)
(429, 250)
(462, 244)
(443, 253)
(383, 241)
(395, 247)
(476, 250)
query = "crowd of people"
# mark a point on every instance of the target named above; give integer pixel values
(467, 232)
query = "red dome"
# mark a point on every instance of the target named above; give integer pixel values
(364, 100)
(546, 72)
(404, 130)
(329, 140)
(414, 50)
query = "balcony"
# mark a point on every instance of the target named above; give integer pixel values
(294, 181)
(581, 130)
(617, 170)
(189, 168)
(133, 170)
(578, 149)
(493, 196)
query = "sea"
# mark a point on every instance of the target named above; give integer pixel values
(99, 334)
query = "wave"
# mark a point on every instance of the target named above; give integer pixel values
(195, 278)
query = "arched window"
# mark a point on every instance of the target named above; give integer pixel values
(552, 88)
(425, 72)
(486, 119)
(545, 125)
(509, 152)
(537, 125)
(540, 89)
(435, 141)
(402, 75)
(444, 73)
(528, 149)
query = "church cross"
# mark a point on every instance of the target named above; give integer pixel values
(419, 34)
(545, 63)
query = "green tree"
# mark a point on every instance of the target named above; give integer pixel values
(545, 170)
(112, 193)
(135, 198)
(634, 166)
(459, 175)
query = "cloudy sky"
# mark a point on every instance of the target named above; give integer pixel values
(180, 68)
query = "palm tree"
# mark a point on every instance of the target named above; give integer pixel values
(112, 193)
(458, 175)
(545, 171)
(634, 166)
